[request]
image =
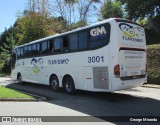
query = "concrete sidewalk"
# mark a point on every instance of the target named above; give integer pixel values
(5, 80)
(151, 86)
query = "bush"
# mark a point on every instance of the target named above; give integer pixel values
(152, 36)
(153, 64)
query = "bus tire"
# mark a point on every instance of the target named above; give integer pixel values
(54, 83)
(19, 78)
(68, 85)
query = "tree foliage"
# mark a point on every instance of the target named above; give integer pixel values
(141, 8)
(39, 6)
(7, 47)
(34, 23)
(111, 9)
(6, 51)
(35, 26)
(4, 35)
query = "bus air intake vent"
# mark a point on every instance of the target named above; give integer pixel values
(100, 78)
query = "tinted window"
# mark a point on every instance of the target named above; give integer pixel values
(45, 47)
(65, 44)
(38, 47)
(34, 49)
(73, 45)
(99, 36)
(22, 52)
(25, 51)
(90, 38)
(18, 53)
(57, 45)
(50, 46)
(83, 40)
(29, 50)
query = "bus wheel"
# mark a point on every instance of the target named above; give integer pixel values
(54, 83)
(19, 78)
(68, 85)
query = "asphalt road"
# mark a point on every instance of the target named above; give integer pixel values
(140, 101)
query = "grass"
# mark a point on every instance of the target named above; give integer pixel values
(6, 93)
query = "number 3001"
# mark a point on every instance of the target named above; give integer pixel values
(95, 59)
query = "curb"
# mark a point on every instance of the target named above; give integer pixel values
(38, 98)
(19, 100)
(151, 86)
(23, 99)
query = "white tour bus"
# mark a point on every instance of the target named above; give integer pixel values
(106, 56)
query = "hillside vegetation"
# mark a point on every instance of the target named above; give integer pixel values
(153, 64)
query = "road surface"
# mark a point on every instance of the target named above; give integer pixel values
(140, 101)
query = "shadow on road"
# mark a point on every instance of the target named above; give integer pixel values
(96, 104)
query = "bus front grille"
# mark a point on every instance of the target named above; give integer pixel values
(100, 78)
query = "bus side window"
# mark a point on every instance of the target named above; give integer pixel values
(44, 47)
(57, 45)
(93, 41)
(65, 44)
(50, 46)
(83, 37)
(25, 51)
(38, 49)
(34, 49)
(97, 36)
(18, 53)
(29, 50)
(73, 43)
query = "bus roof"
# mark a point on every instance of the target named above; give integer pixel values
(72, 31)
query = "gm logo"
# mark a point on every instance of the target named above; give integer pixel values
(98, 31)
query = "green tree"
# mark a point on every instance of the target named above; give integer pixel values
(6, 48)
(34, 26)
(141, 8)
(5, 34)
(6, 52)
(111, 9)
(36, 22)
